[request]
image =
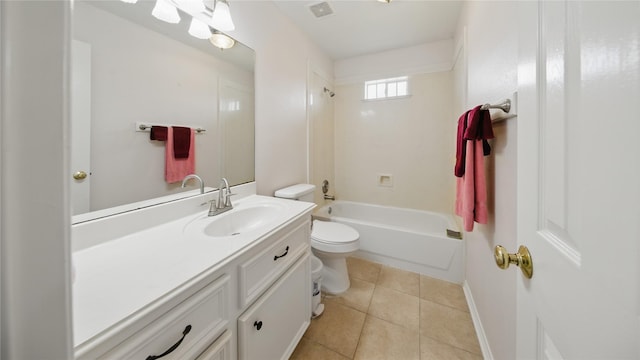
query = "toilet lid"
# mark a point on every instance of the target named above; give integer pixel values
(333, 232)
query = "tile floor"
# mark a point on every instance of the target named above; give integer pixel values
(391, 314)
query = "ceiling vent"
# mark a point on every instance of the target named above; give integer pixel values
(321, 9)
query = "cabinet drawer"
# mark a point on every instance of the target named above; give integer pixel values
(273, 325)
(260, 271)
(205, 314)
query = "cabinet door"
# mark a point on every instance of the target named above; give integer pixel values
(219, 350)
(272, 327)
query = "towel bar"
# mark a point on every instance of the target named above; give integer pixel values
(146, 128)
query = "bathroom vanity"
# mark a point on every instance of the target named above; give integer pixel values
(168, 279)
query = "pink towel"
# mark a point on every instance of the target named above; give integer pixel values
(176, 169)
(471, 188)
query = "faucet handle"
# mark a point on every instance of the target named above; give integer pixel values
(212, 207)
(227, 200)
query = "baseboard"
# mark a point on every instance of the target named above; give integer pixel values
(482, 337)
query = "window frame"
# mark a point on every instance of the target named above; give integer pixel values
(381, 88)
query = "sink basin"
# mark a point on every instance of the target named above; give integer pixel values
(240, 220)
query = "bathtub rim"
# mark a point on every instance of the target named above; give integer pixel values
(321, 213)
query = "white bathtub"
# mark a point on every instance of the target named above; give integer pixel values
(408, 239)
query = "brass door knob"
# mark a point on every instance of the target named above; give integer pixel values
(521, 259)
(79, 175)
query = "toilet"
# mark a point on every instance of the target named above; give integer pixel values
(331, 242)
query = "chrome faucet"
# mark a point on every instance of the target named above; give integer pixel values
(193, 176)
(224, 199)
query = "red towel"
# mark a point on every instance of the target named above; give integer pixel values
(461, 145)
(474, 124)
(479, 126)
(176, 169)
(158, 133)
(181, 142)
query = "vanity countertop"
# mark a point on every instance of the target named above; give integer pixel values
(119, 278)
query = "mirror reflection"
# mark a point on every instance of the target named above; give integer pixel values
(129, 68)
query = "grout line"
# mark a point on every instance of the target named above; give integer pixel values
(360, 335)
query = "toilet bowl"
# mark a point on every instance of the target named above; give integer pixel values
(331, 242)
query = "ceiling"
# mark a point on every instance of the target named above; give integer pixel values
(359, 27)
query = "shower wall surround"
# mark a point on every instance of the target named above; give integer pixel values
(410, 139)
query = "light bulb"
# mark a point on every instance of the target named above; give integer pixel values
(199, 29)
(222, 41)
(221, 18)
(165, 11)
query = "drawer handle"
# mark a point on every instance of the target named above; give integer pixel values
(286, 251)
(258, 325)
(175, 346)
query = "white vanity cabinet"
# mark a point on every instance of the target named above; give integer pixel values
(183, 332)
(219, 350)
(197, 297)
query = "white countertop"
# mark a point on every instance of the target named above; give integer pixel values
(118, 278)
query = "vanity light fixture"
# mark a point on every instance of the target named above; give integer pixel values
(385, 1)
(166, 11)
(221, 40)
(221, 17)
(199, 29)
(129, 1)
(191, 6)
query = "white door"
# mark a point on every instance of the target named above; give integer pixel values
(579, 179)
(80, 127)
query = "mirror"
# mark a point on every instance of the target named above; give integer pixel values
(129, 68)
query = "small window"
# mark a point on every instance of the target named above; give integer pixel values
(386, 88)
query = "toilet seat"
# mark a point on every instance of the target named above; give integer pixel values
(332, 237)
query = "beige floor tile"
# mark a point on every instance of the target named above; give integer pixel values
(363, 269)
(309, 350)
(358, 296)
(338, 328)
(448, 325)
(383, 340)
(431, 349)
(405, 281)
(443, 292)
(396, 307)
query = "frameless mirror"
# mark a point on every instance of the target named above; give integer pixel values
(129, 68)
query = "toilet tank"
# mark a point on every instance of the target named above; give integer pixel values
(302, 192)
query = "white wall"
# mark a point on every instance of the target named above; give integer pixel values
(34, 208)
(283, 55)
(419, 59)
(411, 139)
(492, 54)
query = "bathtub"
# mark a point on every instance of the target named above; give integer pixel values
(408, 239)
